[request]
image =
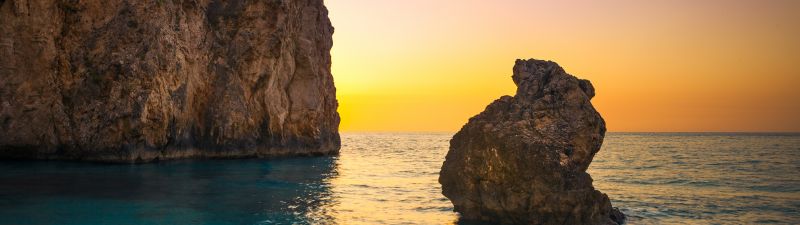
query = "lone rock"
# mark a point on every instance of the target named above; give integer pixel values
(523, 160)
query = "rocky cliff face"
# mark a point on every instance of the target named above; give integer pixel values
(129, 80)
(523, 160)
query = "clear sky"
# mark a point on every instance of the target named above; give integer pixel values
(660, 65)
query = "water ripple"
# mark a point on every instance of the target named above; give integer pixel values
(385, 178)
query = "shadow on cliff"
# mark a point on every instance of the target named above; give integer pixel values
(182, 192)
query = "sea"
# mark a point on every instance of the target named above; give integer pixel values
(391, 178)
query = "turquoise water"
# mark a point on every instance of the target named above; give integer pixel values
(391, 179)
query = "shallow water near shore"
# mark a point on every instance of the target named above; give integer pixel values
(391, 178)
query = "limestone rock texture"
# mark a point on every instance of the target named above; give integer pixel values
(524, 159)
(138, 81)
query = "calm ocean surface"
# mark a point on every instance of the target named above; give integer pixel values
(660, 178)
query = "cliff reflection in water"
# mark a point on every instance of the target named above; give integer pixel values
(283, 191)
(378, 179)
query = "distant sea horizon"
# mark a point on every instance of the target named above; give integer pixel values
(607, 132)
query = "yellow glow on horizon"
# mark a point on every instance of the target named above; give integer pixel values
(680, 65)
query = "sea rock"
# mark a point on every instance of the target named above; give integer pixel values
(523, 160)
(136, 81)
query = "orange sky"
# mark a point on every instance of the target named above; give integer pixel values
(661, 65)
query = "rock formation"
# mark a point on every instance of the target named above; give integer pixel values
(137, 81)
(523, 160)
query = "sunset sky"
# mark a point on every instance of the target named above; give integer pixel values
(662, 65)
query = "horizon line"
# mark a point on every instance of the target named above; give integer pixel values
(433, 131)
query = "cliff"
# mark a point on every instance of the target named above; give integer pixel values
(137, 81)
(523, 160)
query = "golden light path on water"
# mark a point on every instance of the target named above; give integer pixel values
(385, 178)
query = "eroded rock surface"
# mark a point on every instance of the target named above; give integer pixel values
(523, 160)
(129, 80)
